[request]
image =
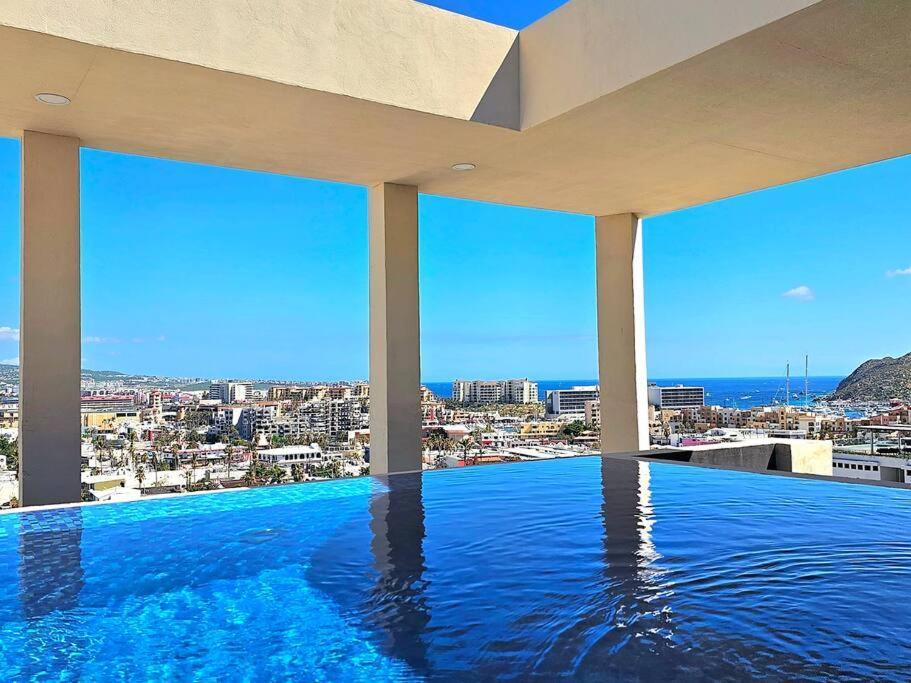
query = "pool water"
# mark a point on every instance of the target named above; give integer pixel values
(581, 569)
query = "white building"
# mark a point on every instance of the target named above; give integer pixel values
(871, 467)
(678, 396)
(226, 417)
(521, 391)
(288, 456)
(571, 401)
(231, 392)
(482, 392)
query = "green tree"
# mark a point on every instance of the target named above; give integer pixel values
(573, 429)
(10, 449)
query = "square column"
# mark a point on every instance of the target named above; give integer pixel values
(50, 344)
(621, 334)
(395, 345)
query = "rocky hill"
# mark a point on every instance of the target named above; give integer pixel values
(878, 379)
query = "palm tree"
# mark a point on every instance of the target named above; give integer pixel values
(194, 459)
(140, 476)
(132, 450)
(465, 445)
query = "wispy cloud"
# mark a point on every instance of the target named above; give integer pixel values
(801, 293)
(9, 333)
(117, 340)
(898, 272)
(10, 361)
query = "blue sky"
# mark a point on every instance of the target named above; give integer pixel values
(514, 14)
(201, 271)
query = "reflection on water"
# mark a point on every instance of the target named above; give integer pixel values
(397, 604)
(50, 562)
(585, 569)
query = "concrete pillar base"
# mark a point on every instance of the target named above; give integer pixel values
(50, 345)
(621, 334)
(395, 351)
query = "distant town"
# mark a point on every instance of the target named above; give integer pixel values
(149, 435)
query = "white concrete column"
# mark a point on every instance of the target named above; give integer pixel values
(621, 334)
(50, 345)
(395, 346)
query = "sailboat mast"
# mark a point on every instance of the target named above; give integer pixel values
(806, 381)
(787, 386)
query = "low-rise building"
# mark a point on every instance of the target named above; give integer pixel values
(288, 456)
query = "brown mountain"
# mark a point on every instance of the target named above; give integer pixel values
(878, 379)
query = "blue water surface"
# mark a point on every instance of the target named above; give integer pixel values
(579, 569)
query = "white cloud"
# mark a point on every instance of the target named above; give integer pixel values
(898, 272)
(101, 340)
(801, 293)
(10, 361)
(9, 333)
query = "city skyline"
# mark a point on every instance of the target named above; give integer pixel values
(191, 270)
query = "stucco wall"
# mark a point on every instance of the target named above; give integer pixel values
(397, 52)
(588, 48)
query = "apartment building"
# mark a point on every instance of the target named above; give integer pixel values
(333, 418)
(593, 413)
(677, 396)
(231, 392)
(256, 418)
(226, 417)
(571, 401)
(286, 393)
(480, 392)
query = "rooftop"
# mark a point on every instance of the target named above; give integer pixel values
(598, 108)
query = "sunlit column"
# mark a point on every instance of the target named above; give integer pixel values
(621, 333)
(49, 346)
(395, 353)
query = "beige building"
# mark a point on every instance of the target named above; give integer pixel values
(543, 429)
(9, 417)
(618, 110)
(109, 421)
(593, 414)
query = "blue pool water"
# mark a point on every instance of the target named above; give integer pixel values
(584, 569)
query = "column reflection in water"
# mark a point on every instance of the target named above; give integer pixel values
(635, 609)
(50, 557)
(51, 579)
(398, 606)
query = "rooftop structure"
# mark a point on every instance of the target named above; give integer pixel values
(617, 110)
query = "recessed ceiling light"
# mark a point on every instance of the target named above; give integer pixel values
(52, 99)
(463, 167)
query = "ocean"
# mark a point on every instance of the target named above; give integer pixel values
(732, 392)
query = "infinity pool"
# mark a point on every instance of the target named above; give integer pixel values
(584, 569)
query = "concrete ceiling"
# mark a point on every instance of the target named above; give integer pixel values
(822, 88)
